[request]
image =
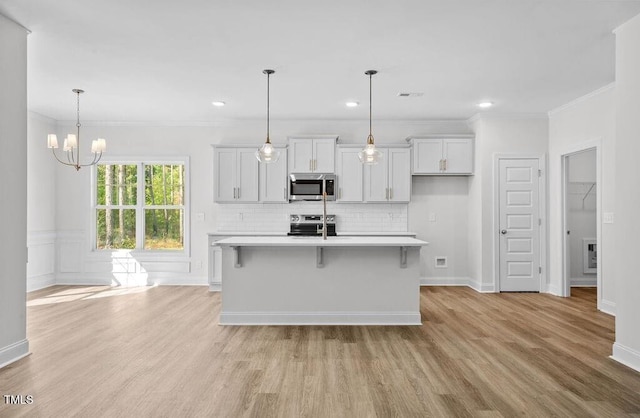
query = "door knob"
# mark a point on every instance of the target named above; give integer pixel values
(504, 231)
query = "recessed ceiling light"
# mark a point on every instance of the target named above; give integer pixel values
(485, 105)
(352, 104)
(218, 104)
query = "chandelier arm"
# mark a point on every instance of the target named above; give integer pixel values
(70, 157)
(96, 157)
(59, 160)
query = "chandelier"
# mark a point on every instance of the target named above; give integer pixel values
(71, 145)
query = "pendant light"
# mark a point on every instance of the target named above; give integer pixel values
(369, 154)
(266, 153)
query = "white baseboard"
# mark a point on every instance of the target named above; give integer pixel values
(215, 287)
(608, 307)
(320, 318)
(627, 356)
(40, 282)
(178, 280)
(583, 282)
(553, 289)
(457, 281)
(13, 352)
(444, 281)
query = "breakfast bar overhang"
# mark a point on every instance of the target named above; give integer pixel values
(311, 281)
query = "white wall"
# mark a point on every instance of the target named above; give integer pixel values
(582, 124)
(581, 199)
(13, 189)
(495, 135)
(41, 198)
(78, 263)
(627, 172)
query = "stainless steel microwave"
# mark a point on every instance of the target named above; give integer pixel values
(309, 186)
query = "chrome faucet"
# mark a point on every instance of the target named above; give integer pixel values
(324, 210)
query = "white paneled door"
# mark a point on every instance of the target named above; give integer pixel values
(519, 225)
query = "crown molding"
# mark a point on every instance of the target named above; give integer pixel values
(581, 99)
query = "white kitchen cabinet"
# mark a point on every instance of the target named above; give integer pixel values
(235, 174)
(443, 155)
(312, 154)
(273, 179)
(390, 179)
(349, 171)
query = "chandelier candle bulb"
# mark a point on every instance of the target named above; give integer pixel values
(101, 145)
(52, 141)
(94, 146)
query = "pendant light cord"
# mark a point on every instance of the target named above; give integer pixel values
(268, 117)
(370, 117)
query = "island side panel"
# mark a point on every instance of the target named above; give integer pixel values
(284, 286)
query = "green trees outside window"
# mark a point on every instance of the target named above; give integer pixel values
(124, 221)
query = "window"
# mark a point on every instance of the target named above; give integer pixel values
(140, 205)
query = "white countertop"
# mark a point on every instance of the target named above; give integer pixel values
(283, 234)
(339, 241)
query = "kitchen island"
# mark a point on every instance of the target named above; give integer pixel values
(310, 281)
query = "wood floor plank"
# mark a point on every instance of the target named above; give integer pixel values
(154, 352)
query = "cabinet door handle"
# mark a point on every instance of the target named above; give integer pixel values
(310, 165)
(234, 192)
(445, 164)
(238, 193)
(390, 193)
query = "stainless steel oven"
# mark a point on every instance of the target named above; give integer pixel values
(309, 186)
(311, 225)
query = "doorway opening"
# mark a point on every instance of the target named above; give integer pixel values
(580, 226)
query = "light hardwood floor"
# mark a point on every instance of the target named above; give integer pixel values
(158, 352)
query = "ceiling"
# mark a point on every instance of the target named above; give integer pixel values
(166, 61)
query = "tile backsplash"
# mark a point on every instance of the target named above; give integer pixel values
(369, 217)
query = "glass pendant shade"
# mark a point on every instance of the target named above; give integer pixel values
(369, 154)
(267, 153)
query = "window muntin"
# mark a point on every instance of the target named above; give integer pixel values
(124, 221)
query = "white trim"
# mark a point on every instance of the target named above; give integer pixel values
(542, 213)
(13, 352)
(581, 99)
(489, 115)
(40, 282)
(565, 282)
(583, 282)
(626, 355)
(18, 24)
(482, 288)
(444, 281)
(320, 318)
(608, 307)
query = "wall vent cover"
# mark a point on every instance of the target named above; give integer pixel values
(408, 94)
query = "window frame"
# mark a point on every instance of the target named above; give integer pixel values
(141, 206)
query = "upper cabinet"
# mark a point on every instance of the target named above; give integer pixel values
(273, 180)
(235, 174)
(349, 171)
(312, 154)
(390, 179)
(443, 155)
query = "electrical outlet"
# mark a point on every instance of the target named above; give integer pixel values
(607, 218)
(432, 217)
(198, 265)
(200, 217)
